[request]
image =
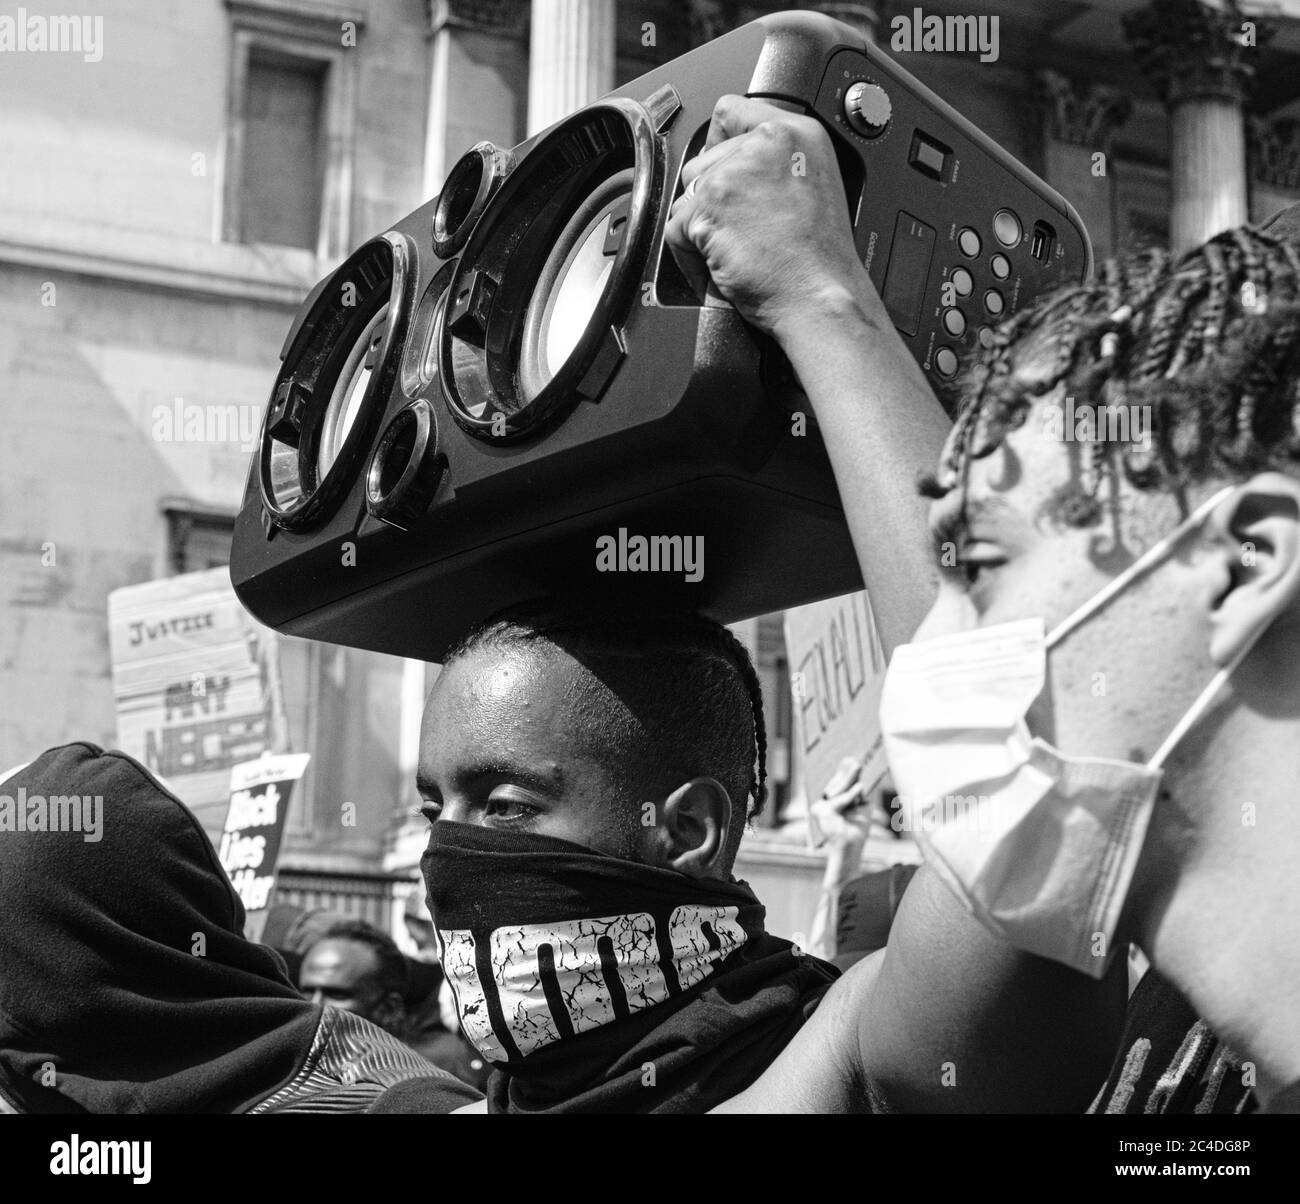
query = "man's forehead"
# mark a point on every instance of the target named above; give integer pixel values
(490, 686)
(1026, 468)
(334, 956)
(496, 711)
(492, 675)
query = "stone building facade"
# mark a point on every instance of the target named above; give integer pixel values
(165, 206)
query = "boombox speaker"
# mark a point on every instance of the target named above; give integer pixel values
(515, 393)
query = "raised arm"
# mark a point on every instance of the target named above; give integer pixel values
(766, 216)
(950, 1018)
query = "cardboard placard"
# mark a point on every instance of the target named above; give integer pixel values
(250, 839)
(195, 682)
(837, 669)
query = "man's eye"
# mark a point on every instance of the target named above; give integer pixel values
(509, 809)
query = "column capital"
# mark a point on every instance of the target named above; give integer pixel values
(1191, 50)
(1273, 151)
(507, 18)
(1078, 113)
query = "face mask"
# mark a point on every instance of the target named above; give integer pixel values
(543, 940)
(1039, 846)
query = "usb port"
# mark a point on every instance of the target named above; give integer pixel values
(1043, 241)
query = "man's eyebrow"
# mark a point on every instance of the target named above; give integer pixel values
(548, 781)
(986, 506)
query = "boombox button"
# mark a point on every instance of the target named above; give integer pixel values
(962, 282)
(945, 360)
(986, 336)
(969, 242)
(1006, 225)
(954, 322)
(993, 302)
(1001, 266)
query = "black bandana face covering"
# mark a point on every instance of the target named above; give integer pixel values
(543, 940)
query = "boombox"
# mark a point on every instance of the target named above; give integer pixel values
(515, 393)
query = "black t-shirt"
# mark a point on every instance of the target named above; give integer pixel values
(1170, 1061)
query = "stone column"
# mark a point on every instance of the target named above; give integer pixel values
(1273, 153)
(571, 52)
(1200, 59)
(1079, 123)
(478, 63)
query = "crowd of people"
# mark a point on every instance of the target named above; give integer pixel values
(1092, 638)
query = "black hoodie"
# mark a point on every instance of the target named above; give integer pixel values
(126, 984)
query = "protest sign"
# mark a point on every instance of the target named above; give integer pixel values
(195, 682)
(837, 669)
(250, 840)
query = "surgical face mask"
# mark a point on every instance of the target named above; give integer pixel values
(1039, 846)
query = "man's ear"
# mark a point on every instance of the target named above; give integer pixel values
(1258, 531)
(693, 824)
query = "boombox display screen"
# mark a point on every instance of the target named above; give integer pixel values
(515, 393)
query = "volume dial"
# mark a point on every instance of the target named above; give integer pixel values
(867, 108)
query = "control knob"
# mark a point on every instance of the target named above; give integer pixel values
(867, 108)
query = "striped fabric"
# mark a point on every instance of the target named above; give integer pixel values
(350, 1064)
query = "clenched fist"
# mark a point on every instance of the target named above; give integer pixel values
(764, 213)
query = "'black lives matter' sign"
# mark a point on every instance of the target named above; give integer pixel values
(250, 841)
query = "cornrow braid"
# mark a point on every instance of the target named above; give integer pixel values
(644, 634)
(738, 655)
(1207, 345)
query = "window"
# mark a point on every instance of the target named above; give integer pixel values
(283, 168)
(196, 539)
(291, 127)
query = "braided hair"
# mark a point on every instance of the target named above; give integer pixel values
(686, 701)
(1209, 342)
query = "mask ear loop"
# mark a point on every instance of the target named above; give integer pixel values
(1151, 557)
(1203, 700)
